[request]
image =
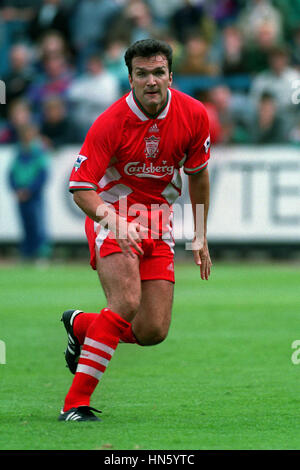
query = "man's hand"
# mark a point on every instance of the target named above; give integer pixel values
(129, 235)
(23, 195)
(202, 258)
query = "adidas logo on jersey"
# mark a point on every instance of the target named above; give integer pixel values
(154, 128)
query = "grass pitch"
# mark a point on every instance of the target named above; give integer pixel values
(223, 379)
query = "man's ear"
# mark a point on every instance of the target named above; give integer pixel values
(170, 79)
(130, 81)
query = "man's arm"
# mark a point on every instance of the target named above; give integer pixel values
(199, 195)
(94, 207)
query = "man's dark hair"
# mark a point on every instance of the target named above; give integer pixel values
(148, 48)
(279, 50)
(267, 96)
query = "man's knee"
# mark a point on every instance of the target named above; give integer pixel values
(130, 305)
(150, 336)
(126, 305)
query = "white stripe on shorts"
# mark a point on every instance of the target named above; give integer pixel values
(102, 234)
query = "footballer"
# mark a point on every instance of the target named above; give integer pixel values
(127, 170)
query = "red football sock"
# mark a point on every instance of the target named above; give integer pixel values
(81, 323)
(128, 336)
(84, 320)
(102, 338)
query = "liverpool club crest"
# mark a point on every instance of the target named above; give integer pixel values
(151, 149)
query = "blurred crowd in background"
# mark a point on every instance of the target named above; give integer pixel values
(62, 62)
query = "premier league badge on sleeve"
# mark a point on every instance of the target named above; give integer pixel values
(207, 144)
(151, 149)
(79, 160)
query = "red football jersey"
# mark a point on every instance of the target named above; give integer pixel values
(129, 155)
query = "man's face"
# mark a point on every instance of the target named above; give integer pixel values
(150, 79)
(278, 63)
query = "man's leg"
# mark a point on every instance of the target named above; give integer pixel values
(27, 245)
(151, 323)
(119, 276)
(120, 279)
(151, 305)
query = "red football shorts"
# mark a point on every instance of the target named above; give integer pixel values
(156, 263)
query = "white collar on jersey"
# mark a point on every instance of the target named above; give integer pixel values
(139, 113)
